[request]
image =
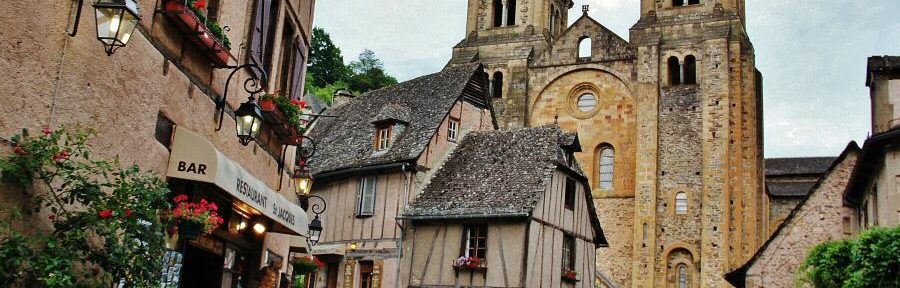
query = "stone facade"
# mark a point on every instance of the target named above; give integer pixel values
(701, 136)
(818, 218)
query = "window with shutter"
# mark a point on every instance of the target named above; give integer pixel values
(299, 70)
(365, 205)
(262, 34)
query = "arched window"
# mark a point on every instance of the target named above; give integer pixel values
(498, 13)
(584, 48)
(674, 71)
(677, 3)
(681, 203)
(607, 165)
(552, 20)
(497, 84)
(690, 70)
(511, 12)
(682, 276)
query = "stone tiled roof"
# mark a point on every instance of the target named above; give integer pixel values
(797, 166)
(789, 189)
(496, 173)
(347, 141)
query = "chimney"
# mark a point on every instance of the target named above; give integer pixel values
(340, 97)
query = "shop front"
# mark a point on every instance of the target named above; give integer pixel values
(262, 229)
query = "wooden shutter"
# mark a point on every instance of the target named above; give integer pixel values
(369, 197)
(258, 32)
(297, 73)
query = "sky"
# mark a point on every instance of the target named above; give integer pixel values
(812, 54)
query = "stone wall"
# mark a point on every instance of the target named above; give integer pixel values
(616, 216)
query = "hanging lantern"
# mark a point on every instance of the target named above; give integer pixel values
(303, 181)
(248, 119)
(116, 20)
(315, 230)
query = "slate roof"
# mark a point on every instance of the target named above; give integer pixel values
(789, 189)
(797, 166)
(347, 141)
(498, 174)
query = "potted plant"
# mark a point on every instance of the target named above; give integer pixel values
(570, 275)
(190, 17)
(267, 102)
(464, 262)
(302, 267)
(194, 219)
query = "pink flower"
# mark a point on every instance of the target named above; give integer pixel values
(61, 157)
(47, 131)
(106, 214)
(180, 198)
(19, 150)
(213, 207)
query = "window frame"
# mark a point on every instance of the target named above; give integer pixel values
(602, 183)
(682, 203)
(480, 247)
(569, 252)
(570, 191)
(453, 130)
(366, 274)
(364, 208)
(681, 278)
(383, 134)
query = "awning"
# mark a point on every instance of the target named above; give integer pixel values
(195, 158)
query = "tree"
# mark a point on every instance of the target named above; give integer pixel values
(368, 73)
(870, 261)
(326, 62)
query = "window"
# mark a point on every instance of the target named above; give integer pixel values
(568, 253)
(287, 58)
(682, 276)
(164, 130)
(497, 84)
(511, 12)
(584, 48)
(693, 2)
(587, 102)
(365, 197)
(262, 33)
(607, 161)
(674, 71)
(498, 13)
(366, 273)
(690, 70)
(453, 130)
(677, 3)
(681, 203)
(475, 239)
(383, 138)
(552, 20)
(570, 193)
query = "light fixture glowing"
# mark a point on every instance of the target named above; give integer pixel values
(353, 246)
(259, 228)
(242, 225)
(116, 20)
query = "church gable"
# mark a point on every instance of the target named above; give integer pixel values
(605, 45)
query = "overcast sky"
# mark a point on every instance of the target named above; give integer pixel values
(812, 54)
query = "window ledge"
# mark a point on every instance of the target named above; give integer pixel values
(361, 216)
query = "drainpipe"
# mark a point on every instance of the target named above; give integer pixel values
(402, 230)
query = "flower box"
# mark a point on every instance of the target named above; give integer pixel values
(570, 276)
(197, 32)
(280, 125)
(469, 264)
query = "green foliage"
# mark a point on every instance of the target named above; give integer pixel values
(292, 111)
(872, 260)
(106, 219)
(212, 26)
(327, 72)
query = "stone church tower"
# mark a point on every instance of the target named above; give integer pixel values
(670, 122)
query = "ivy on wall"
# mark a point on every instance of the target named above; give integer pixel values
(871, 260)
(106, 220)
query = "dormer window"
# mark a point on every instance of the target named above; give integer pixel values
(383, 137)
(453, 130)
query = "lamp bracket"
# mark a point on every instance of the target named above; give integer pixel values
(258, 80)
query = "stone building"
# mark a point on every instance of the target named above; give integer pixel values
(817, 218)
(670, 122)
(506, 209)
(373, 159)
(874, 190)
(788, 182)
(154, 103)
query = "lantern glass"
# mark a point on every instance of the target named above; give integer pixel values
(302, 181)
(116, 20)
(248, 119)
(315, 230)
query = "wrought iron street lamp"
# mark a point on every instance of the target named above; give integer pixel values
(303, 181)
(116, 20)
(248, 117)
(315, 231)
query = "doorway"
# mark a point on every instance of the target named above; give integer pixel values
(201, 268)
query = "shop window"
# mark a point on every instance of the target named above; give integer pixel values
(365, 197)
(511, 13)
(607, 167)
(690, 70)
(366, 269)
(584, 47)
(570, 193)
(497, 85)
(568, 253)
(674, 71)
(498, 13)
(475, 241)
(681, 203)
(383, 137)
(164, 130)
(453, 130)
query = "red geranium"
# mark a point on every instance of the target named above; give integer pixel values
(19, 150)
(106, 214)
(203, 213)
(61, 157)
(47, 131)
(200, 4)
(127, 212)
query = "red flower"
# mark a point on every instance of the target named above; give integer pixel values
(106, 214)
(47, 131)
(302, 104)
(180, 198)
(127, 212)
(19, 150)
(213, 207)
(61, 157)
(295, 102)
(200, 4)
(52, 217)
